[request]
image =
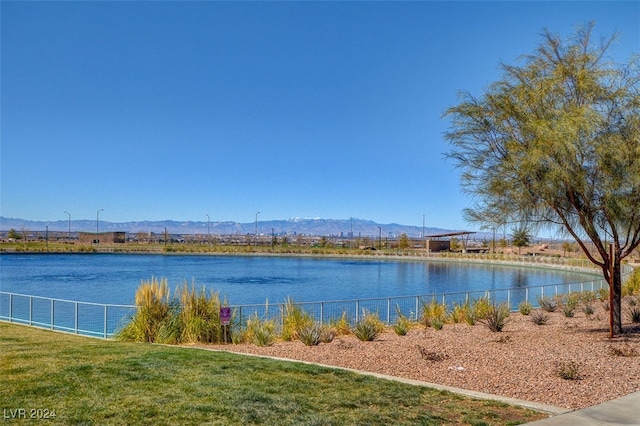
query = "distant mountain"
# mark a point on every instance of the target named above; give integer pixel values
(294, 226)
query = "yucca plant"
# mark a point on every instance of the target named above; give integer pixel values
(310, 335)
(634, 314)
(588, 309)
(539, 317)
(368, 327)
(402, 325)
(549, 304)
(341, 325)
(260, 332)
(294, 318)
(497, 317)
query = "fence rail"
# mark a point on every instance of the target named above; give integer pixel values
(104, 320)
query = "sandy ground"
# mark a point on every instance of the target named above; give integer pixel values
(522, 361)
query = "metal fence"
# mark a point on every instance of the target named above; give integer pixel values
(90, 319)
(104, 320)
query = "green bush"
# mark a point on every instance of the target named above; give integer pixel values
(154, 312)
(588, 309)
(310, 335)
(260, 332)
(525, 308)
(568, 370)
(632, 285)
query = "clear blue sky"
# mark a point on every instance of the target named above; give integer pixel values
(176, 110)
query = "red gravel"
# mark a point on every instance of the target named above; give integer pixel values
(519, 362)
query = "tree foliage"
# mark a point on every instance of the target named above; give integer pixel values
(556, 143)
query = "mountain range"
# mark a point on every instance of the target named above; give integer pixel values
(293, 226)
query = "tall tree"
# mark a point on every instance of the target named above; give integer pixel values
(557, 141)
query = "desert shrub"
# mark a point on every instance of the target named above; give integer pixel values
(327, 334)
(588, 309)
(539, 317)
(632, 285)
(632, 301)
(625, 350)
(497, 317)
(634, 314)
(568, 310)
(603, 294)
(433, 311)
(368, 328)
(525, 308)
(294, 318)
(568, 370)
(460, 312)
(588, 296)
(437, 323)
(341, 325)
(481, 308)
(402, 325)
(548, 304)
(260, 332)
(310, 335)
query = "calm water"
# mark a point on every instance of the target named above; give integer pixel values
(113, 279)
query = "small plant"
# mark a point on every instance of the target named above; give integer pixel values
(634, 314)
(568, 370)
(294, 318)
(433, 311)
(497, 317)
(588, 297)
(327, 334)
(602, 294)
(402, 325)
(260, 332)
(504, 339)
(632, 301)
(549, 304)
(432, 356)
(310, 335)
(539, 318)
(525, 308)
(341, 325)
(568, 310)
(368, 328)
(481, 308)
(460, 312)
(626, 351)
(437, 323)
(588, 309)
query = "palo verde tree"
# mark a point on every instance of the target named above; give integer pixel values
(557, 141)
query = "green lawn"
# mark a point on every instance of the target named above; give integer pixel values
(91, 381)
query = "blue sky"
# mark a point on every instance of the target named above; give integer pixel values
(179, 110)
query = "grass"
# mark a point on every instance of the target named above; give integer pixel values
(91, 381)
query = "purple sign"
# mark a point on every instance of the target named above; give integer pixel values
(225, 315)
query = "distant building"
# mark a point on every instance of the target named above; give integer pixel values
(102, 237)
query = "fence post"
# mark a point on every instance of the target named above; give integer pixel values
(388, 310)
(75, 318)
(10, 307)
(52, 314)
(105, 321)
(357, 309)
(321, 312)
(30, 310)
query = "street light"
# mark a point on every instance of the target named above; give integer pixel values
(379, 238)
(256, 240)
(97, 222)
(208, 237)
(69, 238)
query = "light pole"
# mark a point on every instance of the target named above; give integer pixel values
(69, 237)
(256, 240)
(208, 232)
(97, 227)
(379, 238)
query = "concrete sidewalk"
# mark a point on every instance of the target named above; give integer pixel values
(621, 411)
